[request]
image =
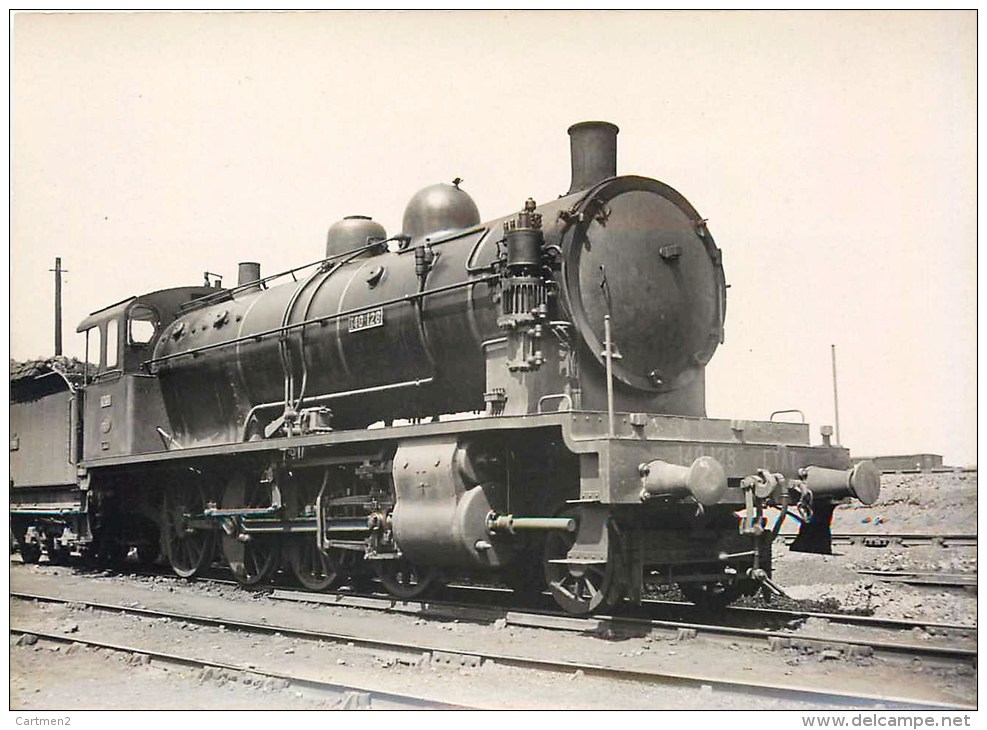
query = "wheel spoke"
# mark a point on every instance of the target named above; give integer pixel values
(581, 588)
(402, 579)
(312, 558)
(311, 567)
(560, 585)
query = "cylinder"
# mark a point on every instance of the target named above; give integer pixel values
(248, 272)
(705, 480)
(594, 153)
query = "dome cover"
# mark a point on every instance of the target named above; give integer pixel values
(439, 209)
(353, 232)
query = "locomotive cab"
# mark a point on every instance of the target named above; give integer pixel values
(122, 335)
(120, 338)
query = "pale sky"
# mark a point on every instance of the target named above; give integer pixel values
(834, 154)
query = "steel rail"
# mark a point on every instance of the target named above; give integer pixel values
(485, 610)
(744, 686)
(850, 619)
(404, 700)
(934, 470)
(774, 639)
(947, 580)
(897, 539)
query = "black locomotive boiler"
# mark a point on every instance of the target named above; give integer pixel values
(520, 400)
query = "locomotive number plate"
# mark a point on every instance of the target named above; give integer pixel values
(367, 320)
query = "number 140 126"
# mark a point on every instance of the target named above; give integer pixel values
(367, 320)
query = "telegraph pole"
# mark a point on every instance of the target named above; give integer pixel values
(836, 397)
(58, 303)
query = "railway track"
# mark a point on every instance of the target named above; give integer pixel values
(486, 604)
(936, 470)
(888, 539)
(346, 696)
(444, 655)
(774, 639)
(744, 615)
(935, 580)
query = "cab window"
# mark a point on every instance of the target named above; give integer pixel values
(111, 344)
(142, 325)
(93, 347)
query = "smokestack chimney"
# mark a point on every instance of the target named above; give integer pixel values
(248, 272)
(594, 153)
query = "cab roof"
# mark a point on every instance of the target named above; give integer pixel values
(166, 301)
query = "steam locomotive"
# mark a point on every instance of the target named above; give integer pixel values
(519, 400)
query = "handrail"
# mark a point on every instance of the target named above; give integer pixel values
(257, 336)
(551, 396)
(315, 400)
(224, 294)
(787, 410)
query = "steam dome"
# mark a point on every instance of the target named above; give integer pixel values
(439, 209)
(354, 231)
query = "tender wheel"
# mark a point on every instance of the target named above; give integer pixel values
(148, 550)
(147, 554)
(580, 589)
(59, 555)
(712, 596)
(189, 551)
(30, 553)
(314, 569)
(403, 579)
(110, 554)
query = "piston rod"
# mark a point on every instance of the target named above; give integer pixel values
(510, 523)
(240, 511)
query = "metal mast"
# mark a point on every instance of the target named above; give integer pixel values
(836, 397)
(58, 303)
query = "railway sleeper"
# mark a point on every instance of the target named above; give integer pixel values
(824, 649)
(454, 659)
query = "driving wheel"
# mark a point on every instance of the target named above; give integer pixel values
(581, 588)
(315, 569)
(189, 551)
(252, 558)
(403, 579)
